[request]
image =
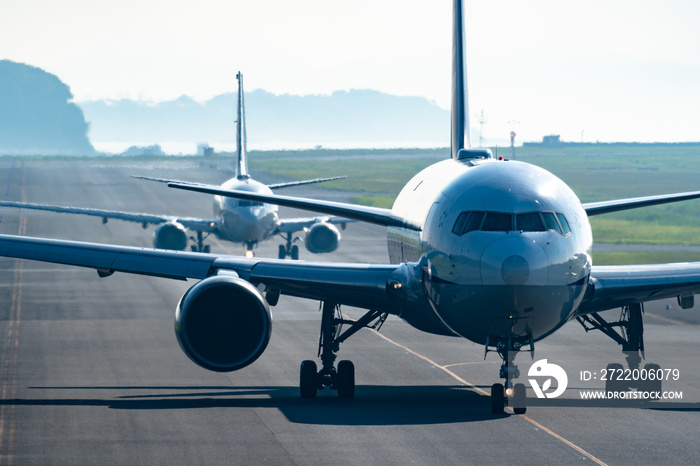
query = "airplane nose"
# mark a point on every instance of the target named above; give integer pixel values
(514, 261)
(515, 270)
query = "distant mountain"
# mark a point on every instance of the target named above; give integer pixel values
(37, 115)
(358, 118)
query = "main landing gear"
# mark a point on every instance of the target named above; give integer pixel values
(631, 338)
(508, 393)
(341, 379)
(199, 245)
(287, 249)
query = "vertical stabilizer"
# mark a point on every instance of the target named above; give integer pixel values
(460, 104)
(242, 163)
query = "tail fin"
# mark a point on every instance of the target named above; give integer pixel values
(460, 103)
(242, 164)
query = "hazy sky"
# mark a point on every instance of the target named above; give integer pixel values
(595, 70)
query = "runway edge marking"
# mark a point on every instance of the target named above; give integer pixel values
(483, 392)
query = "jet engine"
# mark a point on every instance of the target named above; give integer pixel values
(322, 237)
(223, 323)
(170, 235)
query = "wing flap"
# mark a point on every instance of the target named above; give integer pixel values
(612, 287)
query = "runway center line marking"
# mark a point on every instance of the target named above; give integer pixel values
(484, 392)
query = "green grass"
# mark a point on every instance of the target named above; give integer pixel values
(644, 257)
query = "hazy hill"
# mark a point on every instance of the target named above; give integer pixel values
(358, 118)
(37, 115)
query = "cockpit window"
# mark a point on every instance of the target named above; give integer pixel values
(466, 222)
(551, 221)
(458, 229)
(564, 224)
(529, 222)
(496, 221)
(474, 222)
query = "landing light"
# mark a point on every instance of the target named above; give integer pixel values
(509, 391)
(249, 254)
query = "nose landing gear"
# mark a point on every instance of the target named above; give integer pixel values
(508, 393)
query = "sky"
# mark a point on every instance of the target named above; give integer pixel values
(621, 70)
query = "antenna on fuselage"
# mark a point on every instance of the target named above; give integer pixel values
(460, 104)
(242, 162)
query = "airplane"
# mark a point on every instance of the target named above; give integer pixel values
(494, 251)
(238, 221)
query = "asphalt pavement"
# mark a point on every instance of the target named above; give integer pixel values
(92, 372)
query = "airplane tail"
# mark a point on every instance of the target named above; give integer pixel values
(242, 162)
(460, 104)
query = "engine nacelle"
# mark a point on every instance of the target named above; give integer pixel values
(223, 323)
(322, 237)
(170, 235)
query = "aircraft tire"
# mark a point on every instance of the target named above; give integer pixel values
(498, 398)
(282, 252)
(295, 253)
(519, 399)
(345, 379)
(308, 379)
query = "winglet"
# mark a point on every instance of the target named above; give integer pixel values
(242, 164)
(460, 102)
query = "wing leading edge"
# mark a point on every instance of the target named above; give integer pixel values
(193, 223)
(606, 207)
(616, 286)
(361, 213)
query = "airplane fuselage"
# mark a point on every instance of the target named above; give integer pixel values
(242, 221)
(505, 249)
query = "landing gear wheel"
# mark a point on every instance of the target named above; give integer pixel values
(282, 252)
(345, 379)
(653, 387)
(612, 384)
(498, 398)
(206, 249)
(295, 253)
(519, 402)
(308, 379)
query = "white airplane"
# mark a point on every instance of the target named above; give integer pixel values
(238, 221)
(497, 252)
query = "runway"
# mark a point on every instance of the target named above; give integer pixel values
(92, 372)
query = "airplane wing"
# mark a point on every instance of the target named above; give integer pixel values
(303, 182)
(605, 207)
(361, 213)
(271, 186)
(192, 223)
(616, 286)
(360, 285)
